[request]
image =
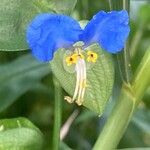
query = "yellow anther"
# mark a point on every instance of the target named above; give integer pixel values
(92, 56)
(72, 59)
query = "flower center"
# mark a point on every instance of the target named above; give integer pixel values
(78, 59)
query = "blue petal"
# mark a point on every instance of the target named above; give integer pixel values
(49, 32)
(110, 30)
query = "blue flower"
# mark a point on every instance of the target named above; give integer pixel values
(49, 32)
(110, 30)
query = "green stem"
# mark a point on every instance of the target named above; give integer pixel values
(127, 64)
(136, 40)
(57, 115)
(123, 58)
(126, 5)
(110, 4)
(142, 77)
(117, 122)
(120, 66)
(129, 99)
(126, 53)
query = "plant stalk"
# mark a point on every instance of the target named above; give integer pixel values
(142, 77)
(128, 101)
(117, 122)
(126, 53)
(110, 4)
(136, 40)
(57, 114)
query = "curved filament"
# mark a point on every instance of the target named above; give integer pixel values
(82, 82)
(78, 76)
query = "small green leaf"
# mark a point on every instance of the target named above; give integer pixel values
(19, 76)
(14, 17)
(100, 78)
(83, 23)
(19, 134)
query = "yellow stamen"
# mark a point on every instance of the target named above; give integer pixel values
(92, 56)
(72, 59)
(77, 58)
(82, 84)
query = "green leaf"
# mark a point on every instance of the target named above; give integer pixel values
(14, 17)
(63, 6)
(19, 134)
(56, 6)
(144, 148)
(19, 76)
(100, 78)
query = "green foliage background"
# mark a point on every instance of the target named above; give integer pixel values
(26, 86)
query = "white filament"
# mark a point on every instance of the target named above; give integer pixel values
(78, 76)
(82, 82)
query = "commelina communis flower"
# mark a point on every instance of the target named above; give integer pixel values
(49, 32)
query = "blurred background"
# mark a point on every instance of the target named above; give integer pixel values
(29, 91)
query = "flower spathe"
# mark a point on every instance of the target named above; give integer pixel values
(49, 32)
